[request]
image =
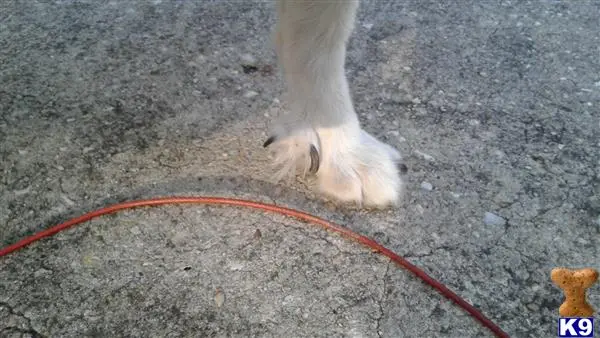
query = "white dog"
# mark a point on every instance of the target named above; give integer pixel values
(323, 136)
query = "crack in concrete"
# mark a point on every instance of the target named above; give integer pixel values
(12, 329)
(14, 312)
(324, 238)
(383, 299)
(432, 251)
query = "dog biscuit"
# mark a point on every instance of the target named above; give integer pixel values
(574, 284)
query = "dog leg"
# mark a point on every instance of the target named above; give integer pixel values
(322, 134)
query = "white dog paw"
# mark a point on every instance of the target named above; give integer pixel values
(350, 164)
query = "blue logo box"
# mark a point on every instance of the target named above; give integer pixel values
(575, 327)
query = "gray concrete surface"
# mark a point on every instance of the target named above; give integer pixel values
(493, 104)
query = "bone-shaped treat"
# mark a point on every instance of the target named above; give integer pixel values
(574, 284)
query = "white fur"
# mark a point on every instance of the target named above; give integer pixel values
(311, 38)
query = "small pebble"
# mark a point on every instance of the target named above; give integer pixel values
(219, 297)
(41, 272)
(420, 209)
(396, 134)
(248, 59)
(493, 219)
(425, 156)
(257, 234)
(23, 191)
(67, 200)
(250, 94)
(426, 186)
(236, 266)
(499, 153)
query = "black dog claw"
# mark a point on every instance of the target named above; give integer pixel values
(269, 141)
(314, 160)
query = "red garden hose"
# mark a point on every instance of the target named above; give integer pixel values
(374, 246)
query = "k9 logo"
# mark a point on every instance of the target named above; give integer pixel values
(575, 327)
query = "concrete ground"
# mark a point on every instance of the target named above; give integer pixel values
(494, 105)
